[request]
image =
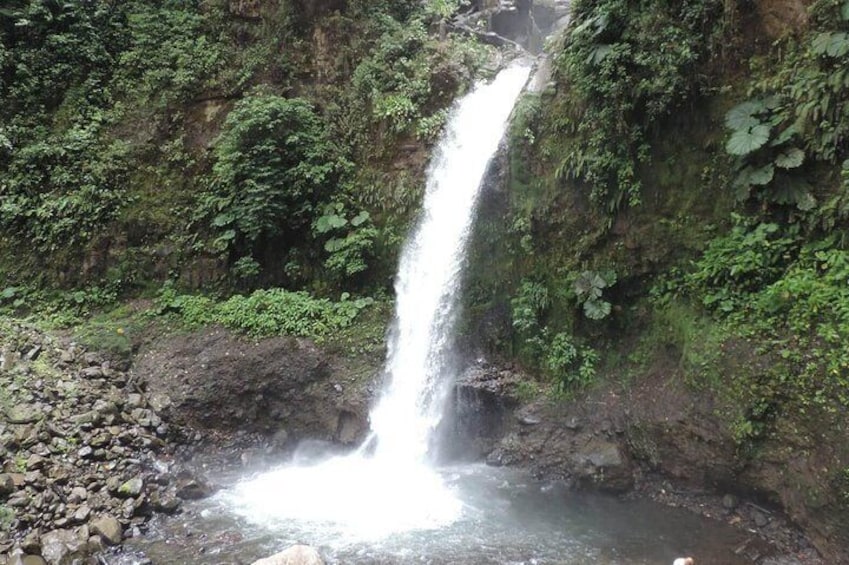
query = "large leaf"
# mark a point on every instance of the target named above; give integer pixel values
(743, 116)
(844, 11)
(833, 44)
(596, 309)
(790, 158)
(745, 141)
(360, 218)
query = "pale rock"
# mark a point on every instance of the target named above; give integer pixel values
(295, 555)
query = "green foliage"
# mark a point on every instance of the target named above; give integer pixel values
(740, 263)
(171, 55)
(7, 516)
(588, 289)
(528, 306)
(572, 365)
(788, 297)
(768, 169)
(797, 114)
(350, 242)
(627, 69)
(274, 165)
(405, 85)
(265, 312)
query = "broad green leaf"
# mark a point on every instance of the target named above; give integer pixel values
(742, 116)
(820, 43)
(838, 45)
(596, 309)
(833, 44)
(334, 244)
(745, 141)
(598, 54)
(844, 12)
(360, 218)
(790, 158)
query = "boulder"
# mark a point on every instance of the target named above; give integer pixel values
(131, 488)
(294, 555)
(601, 464)
(108, 528)
(7, 484)
(59, 547)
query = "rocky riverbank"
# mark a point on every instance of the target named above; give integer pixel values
(94, 449)
(87, 457)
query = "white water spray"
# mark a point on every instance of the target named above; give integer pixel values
(392, 489)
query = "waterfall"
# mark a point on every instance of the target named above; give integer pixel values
(428, 277)
(387, 486)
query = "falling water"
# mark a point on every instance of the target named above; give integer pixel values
(387, 486)
(429, 272)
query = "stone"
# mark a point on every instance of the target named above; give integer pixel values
(32, 542)
(761, 519)
(135, 400)
(730, 502)
(7, 484)
(33, 353)
(33, 560)
(85, 452)
(131, 488)
(192, 488)
(22, 414)
(108, 528)
(82, 514)
(35, 462)
(59, 547)
(294, 555)
(529, 420)
(601, 463)
(159, 402)
(92, 372)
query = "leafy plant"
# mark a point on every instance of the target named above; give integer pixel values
(572, 365)
(626, 69)
(274, 165)
(762, 164)
(351, 241)
(588, 289)
(264, 312)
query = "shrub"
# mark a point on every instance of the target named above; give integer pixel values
(274, 165)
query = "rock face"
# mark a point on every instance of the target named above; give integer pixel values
(295, 555)
(216, 380)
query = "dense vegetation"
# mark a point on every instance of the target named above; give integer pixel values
(679, 215)
(220, 144)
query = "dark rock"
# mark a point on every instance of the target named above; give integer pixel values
(7, 485)
(730, 502)
(192, 488)
(760, 518)
(35, 462)
(602, 464)
(33, 353)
